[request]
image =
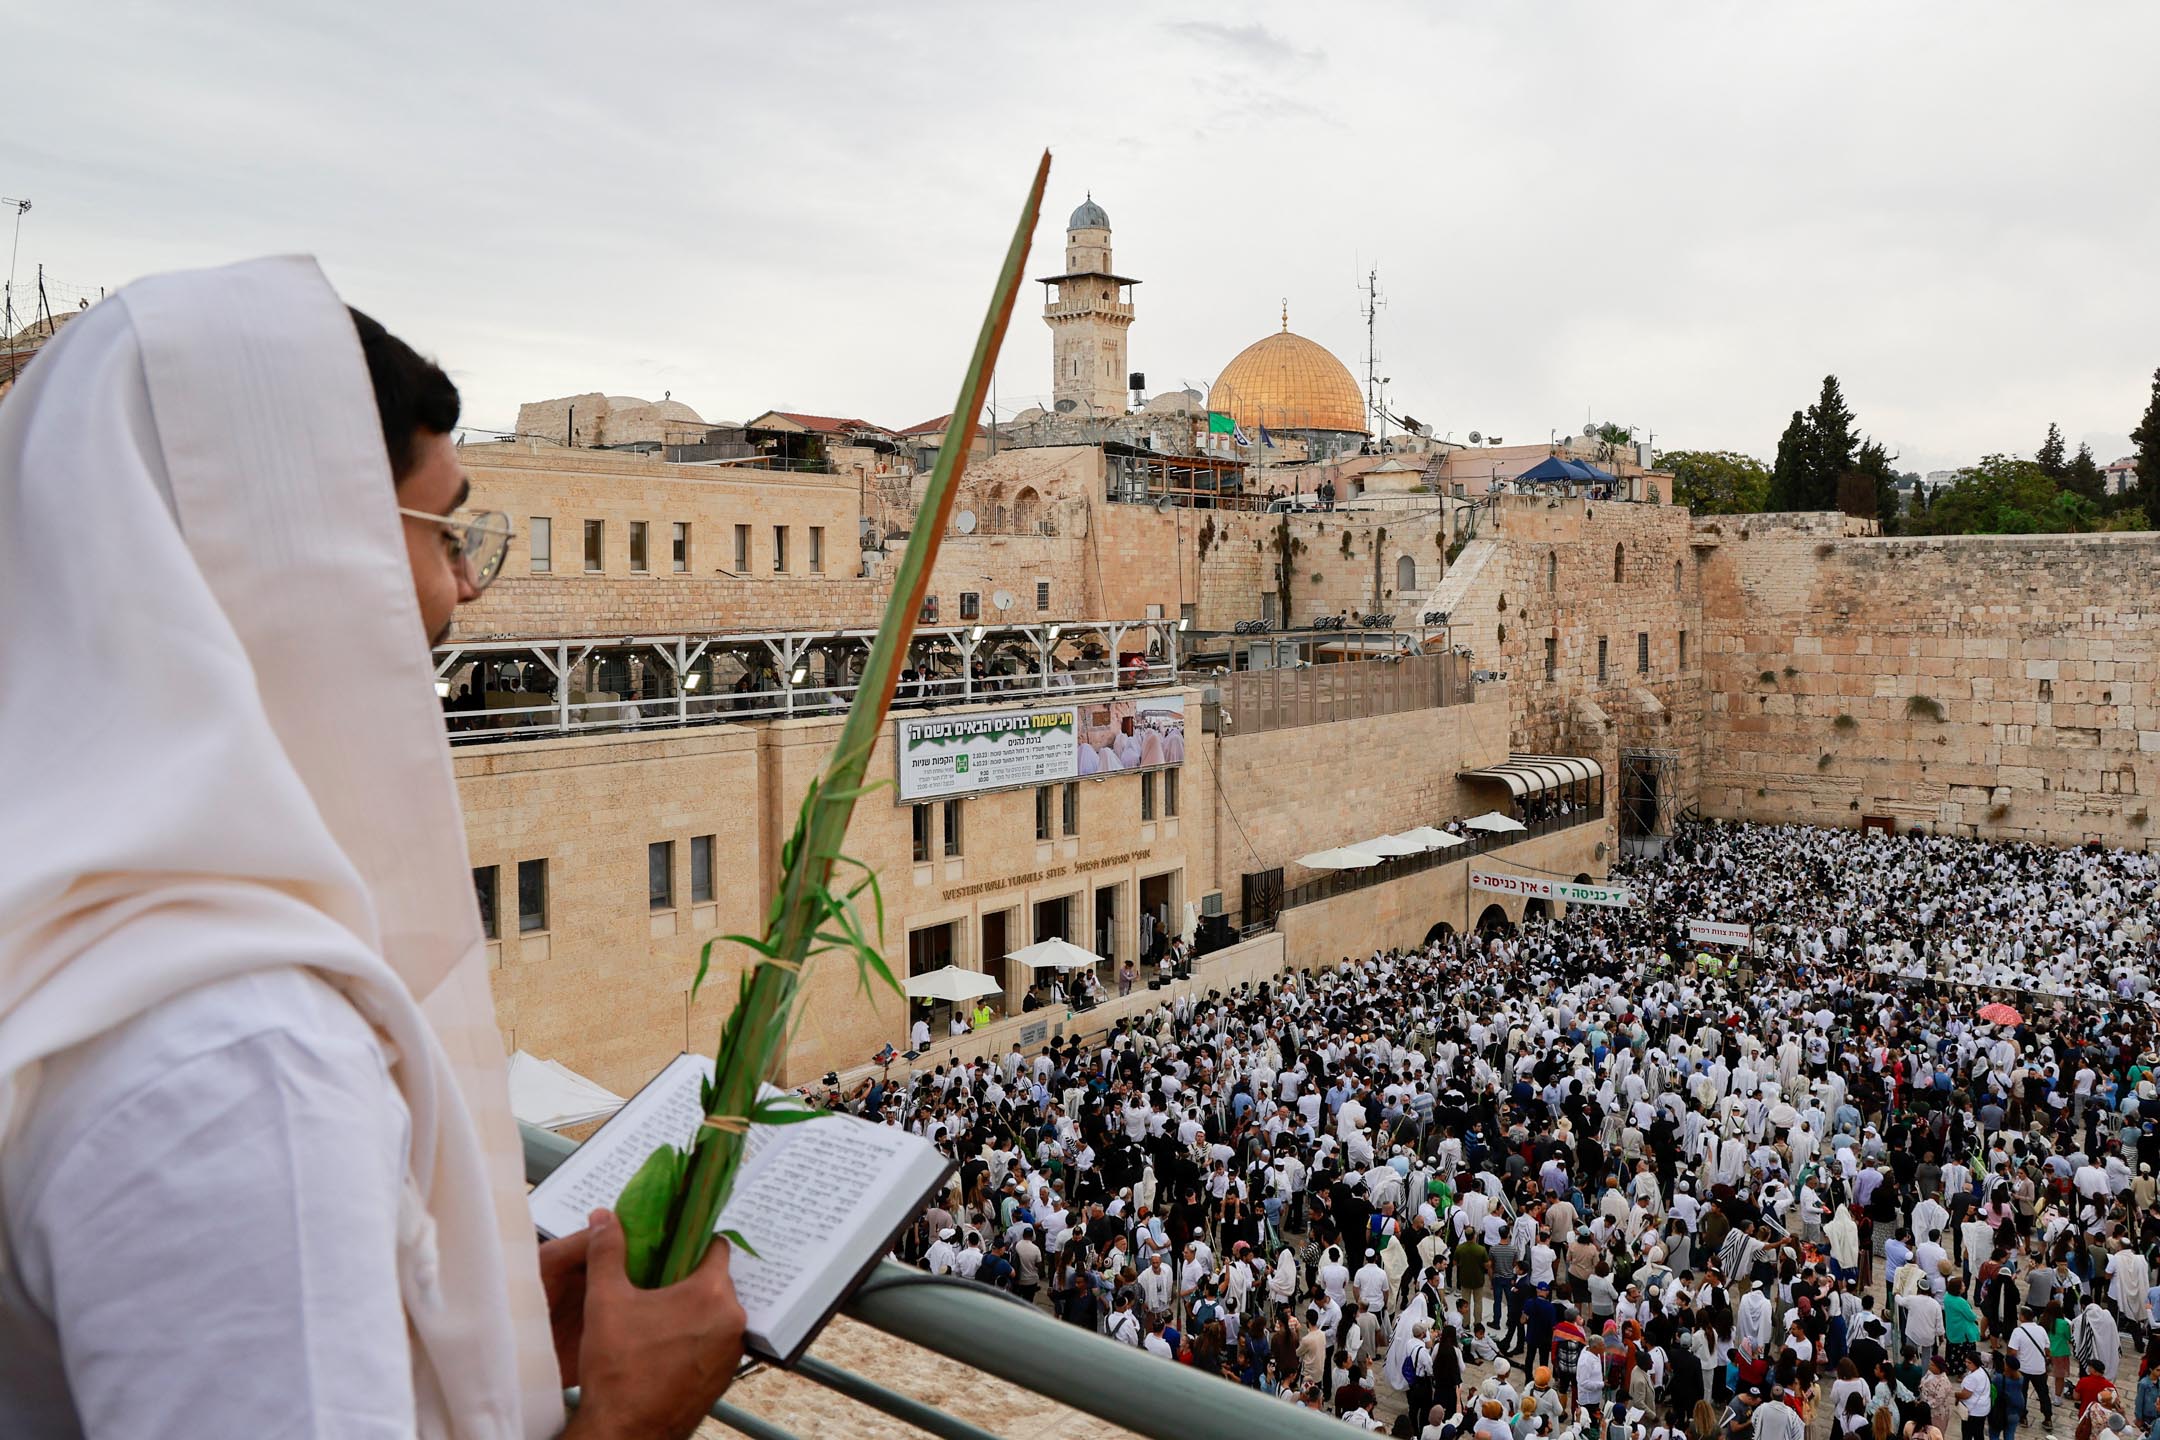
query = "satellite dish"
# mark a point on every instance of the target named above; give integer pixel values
(964, 522)
(1003, 599)
(1476, 439)
(1067, 406)
(1589, 430)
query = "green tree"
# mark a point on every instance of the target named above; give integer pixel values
(1717, 482)
(1875, 463)
(2147, 440)
(1788, 477)
(2082, 477)
(2050, 456)
(1831, 446)
(2003, 495)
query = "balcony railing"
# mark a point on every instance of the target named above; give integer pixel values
(1015, 1341)
(1256, 701)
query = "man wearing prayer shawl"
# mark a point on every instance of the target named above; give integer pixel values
(258, 1171)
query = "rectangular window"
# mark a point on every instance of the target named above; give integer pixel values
(952, 829)
(637, 546)
(1072, 808)
(779, 549)
(681, 550)
(532, 896)
(542, 533)
(1552, 658)
(660, 875)
(1169, 793)
(1147, 796)
(595, 545)
(701, 874)
(1042, 596)
(483, 884)
(1601, 670)
(742, 550)
(1642, 652)
(1683, 649)
(970, 605)
(817, 549)
(921, 821)
(1042, 811)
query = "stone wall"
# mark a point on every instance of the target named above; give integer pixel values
(1829, 656)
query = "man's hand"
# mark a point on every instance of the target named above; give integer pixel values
(562, 1276)
(651, 1362)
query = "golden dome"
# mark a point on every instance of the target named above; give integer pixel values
(1287, 382)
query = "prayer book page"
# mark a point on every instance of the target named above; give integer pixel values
(820, 1201)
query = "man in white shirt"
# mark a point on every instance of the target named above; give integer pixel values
(303, 1028)
(2028, 1342)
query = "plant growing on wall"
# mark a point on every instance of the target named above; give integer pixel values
(1768, 677)
(1845, 722)
(670, 1206)
(1924, 707)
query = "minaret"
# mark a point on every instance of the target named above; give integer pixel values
(1088, 317)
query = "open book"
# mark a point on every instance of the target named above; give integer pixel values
(820, 1201)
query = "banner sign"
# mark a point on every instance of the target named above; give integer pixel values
(1539, 887)
(1719, 932)
(948, 755)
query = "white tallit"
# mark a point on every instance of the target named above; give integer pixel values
(218, 709)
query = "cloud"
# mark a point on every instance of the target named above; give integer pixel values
(1251, 41)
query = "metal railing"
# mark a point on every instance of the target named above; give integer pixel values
(1257, 701)
(1476, 843)
(1020, 1344)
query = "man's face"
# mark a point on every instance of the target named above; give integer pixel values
(437, 485)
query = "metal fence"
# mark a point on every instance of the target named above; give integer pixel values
(1004, 1336)
(1256, 701)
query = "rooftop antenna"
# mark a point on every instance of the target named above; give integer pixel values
(1372, 306)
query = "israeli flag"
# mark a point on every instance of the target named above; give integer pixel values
(1240, 437)
(1266, 439)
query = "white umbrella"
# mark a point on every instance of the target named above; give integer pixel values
(1391, 845)
(1495, 822)
(1347, 857)
(950, 982)
(1430, 838)
(1054, 954)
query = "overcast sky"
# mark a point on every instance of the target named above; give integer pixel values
(1672, 215)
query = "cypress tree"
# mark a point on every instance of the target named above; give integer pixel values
(1787, 476)
(2050, 456)
(2147, 439)
(1829, 449)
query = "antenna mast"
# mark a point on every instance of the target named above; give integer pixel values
(1371, 291)
(20, 206)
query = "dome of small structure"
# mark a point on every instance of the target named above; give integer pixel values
(1089, 216)
(1287, 382)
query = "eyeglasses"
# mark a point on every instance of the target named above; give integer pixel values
(476, 542)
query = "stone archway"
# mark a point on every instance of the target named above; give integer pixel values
(1440, 932)
(1026, 510)
(1493, 919)
(1405, 576)
(1537, 907)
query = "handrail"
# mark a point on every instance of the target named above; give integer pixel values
(1013, 1340)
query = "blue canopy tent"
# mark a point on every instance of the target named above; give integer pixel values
(1553, 470)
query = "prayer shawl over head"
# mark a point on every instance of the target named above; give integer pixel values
(231, 759)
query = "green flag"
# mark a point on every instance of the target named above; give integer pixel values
(1219, 423)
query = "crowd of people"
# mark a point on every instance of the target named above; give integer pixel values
(1569, 1181)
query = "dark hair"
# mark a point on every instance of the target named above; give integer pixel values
(411, 393)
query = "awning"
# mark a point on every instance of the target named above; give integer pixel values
(550, 1095)
(1494, 823)
(1529, 774)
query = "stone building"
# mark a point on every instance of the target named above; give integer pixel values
(1088, 318)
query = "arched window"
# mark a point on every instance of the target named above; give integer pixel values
(1024, 510)
(1552, 571)
(1619, 564)
(1405, 576)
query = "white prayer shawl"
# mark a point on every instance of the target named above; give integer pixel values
(194, 496)
(2096, 1340)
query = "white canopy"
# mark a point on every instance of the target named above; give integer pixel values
(1054, 954)
(1430, 838)
(1494, 822)
(551, 1095)
(1347, 857)
(1530, 774)
(1392, 845)
(950, 982)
